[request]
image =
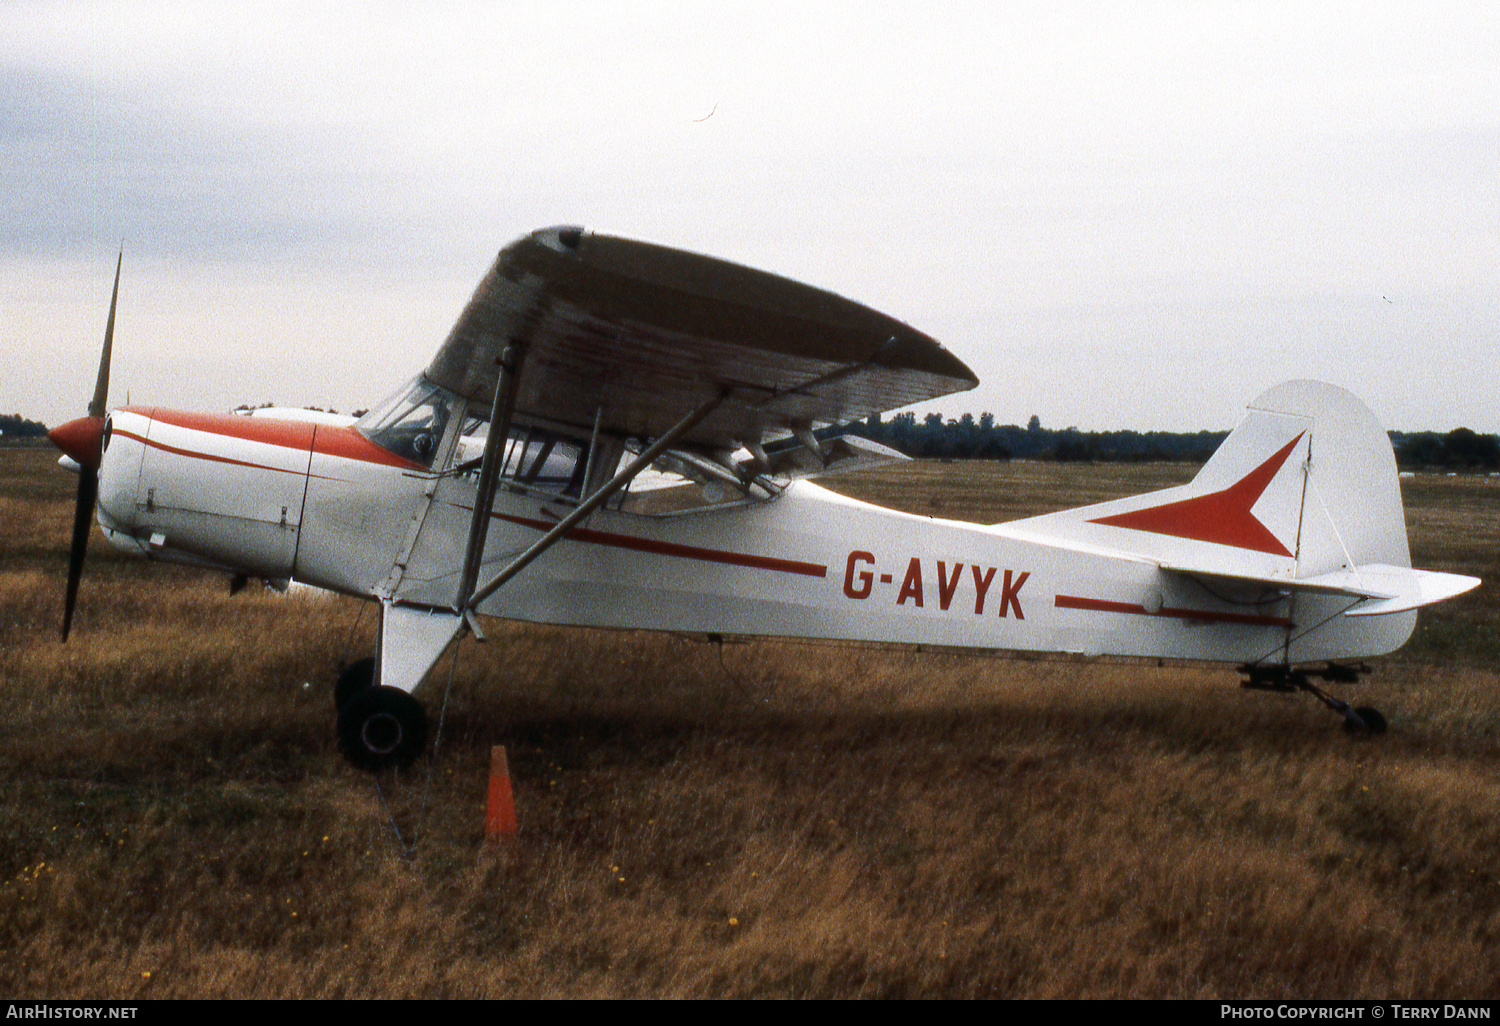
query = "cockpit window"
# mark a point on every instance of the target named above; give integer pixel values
(537, 461)
(533, 459)
(410, 423)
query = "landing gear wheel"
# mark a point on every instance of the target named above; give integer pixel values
(357, 676)
(381, 728)
(1374, 723)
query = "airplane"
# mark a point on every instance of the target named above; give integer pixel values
(621, 434)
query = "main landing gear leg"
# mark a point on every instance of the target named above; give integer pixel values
(1357, 720)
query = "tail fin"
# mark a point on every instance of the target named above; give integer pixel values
(1303, 494)
(1308, 480)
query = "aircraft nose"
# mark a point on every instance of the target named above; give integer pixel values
(82, 439)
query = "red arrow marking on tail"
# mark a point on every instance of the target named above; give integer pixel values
(1223, 517)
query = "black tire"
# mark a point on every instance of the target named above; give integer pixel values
(357, 676)
(381, 728)
(1374, 722)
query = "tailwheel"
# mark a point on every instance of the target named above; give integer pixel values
(1363, 720)
(356, 677)
(382, 727)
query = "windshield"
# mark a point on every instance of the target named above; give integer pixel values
(409, 423)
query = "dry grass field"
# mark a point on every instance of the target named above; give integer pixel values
(761, 818)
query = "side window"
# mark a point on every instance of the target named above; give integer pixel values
(679, 481)
(534, 460)
(540, 461)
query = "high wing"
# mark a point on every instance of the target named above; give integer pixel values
(633, 337)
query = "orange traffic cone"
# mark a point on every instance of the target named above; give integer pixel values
(500, 819)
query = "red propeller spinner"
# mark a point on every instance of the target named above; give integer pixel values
(82, 439)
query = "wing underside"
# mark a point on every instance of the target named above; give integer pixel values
(637, 336)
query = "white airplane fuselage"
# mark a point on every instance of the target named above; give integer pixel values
(324, 505)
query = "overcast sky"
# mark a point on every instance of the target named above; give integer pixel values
(1119, 214)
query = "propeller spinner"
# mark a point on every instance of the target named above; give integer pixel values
(83, 440)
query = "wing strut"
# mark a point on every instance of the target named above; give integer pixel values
(593, 502)
(502, 410)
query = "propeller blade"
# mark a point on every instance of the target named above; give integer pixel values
(83, 522)
(99, 406)
(82, 439)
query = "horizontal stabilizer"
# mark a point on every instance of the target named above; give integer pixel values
(1379, 589)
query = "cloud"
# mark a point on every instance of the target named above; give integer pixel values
(91, 165)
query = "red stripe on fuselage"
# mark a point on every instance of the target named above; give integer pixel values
(665, 548)
(290, 434)
(349, 444)
(203, 455)
(325, 439)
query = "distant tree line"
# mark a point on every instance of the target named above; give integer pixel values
(1459, 449)
(13, 425)
(968, 438)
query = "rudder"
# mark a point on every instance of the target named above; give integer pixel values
(1350, 514)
